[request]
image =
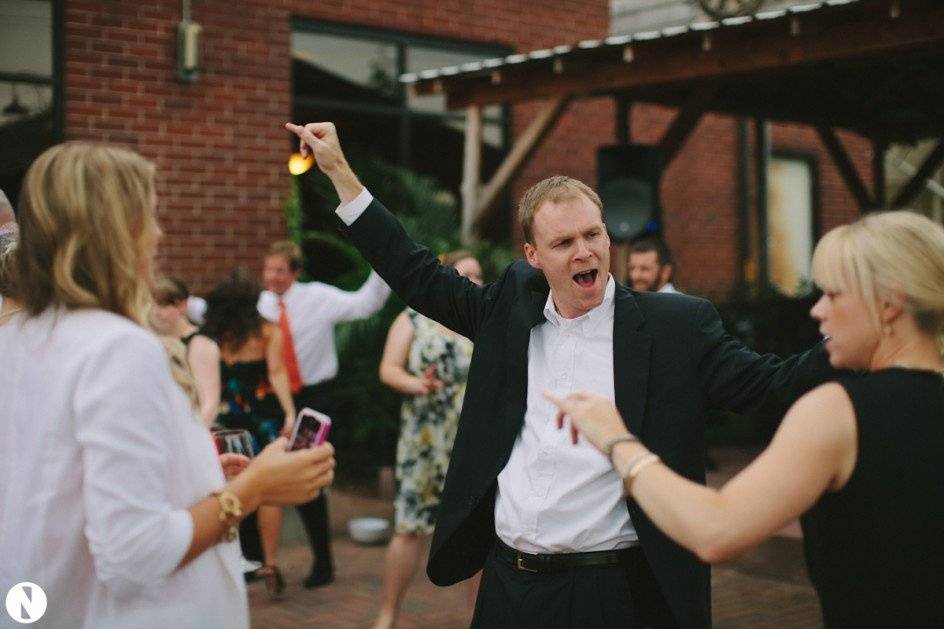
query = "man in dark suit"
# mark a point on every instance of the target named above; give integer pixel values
(560, 544)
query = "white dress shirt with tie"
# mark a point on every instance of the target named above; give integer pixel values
(553, 496)
(313, 309)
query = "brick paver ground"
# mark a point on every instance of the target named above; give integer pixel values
(764, 588)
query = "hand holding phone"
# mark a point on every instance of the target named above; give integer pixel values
(311, 429)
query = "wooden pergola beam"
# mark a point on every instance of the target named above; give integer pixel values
(684, 123)
(859, 32)
(931, 163)
(846, 168)
(516, 159)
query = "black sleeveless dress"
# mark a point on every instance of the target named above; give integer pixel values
(875, 549)
(248, 402)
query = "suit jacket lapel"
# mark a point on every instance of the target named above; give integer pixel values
(631, 349)
(526, 313)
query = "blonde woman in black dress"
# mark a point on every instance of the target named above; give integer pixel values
(858, 458)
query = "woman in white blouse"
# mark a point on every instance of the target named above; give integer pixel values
(111, 494)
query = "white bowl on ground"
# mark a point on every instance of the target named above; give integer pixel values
(369, 530)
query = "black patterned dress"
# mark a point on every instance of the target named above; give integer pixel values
(428, 423)
(248, 402)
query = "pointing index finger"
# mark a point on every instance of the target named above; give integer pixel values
(554, 399)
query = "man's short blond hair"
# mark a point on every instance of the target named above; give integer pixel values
(289, 250)
(554, 189)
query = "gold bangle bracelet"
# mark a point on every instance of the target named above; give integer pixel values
(638, 465)
(231, 510)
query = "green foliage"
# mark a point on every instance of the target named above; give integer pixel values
(366, 430)
(293, 214)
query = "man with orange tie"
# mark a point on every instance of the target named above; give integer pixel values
(307, 313)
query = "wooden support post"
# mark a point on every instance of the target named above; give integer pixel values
(471, 171)
(762, 163)
(684, 123)
(524, 147)
(911, 189)
(878, 172)
(624, 127)
(846, 168)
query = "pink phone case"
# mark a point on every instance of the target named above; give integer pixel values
(311, 429)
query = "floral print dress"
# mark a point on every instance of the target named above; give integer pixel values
(428, 423)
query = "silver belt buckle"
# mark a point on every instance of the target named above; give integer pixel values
(520, 565)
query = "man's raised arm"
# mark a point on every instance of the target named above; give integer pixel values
(408, 268)
(320, 140)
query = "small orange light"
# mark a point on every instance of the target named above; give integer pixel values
(298, 165)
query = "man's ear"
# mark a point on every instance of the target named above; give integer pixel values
(531, 255)
(665, 274)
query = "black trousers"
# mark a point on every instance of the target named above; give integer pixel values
(623, 596)
(314, 514)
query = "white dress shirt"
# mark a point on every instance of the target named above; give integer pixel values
(668, 287)
(553, 496)
(101, 456)
(313, 309)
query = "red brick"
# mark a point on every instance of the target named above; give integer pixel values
(221, 149)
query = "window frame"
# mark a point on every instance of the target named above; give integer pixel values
(402, 40)
(56, 80)
(812, 161)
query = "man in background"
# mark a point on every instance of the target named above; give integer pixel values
(307, 312)
(651, 266)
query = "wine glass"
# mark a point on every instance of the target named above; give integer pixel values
(236, 441)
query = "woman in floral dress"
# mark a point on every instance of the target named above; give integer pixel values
(428, 364)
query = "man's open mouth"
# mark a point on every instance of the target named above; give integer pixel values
(586, 279)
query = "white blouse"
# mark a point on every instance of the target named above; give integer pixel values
(100, 458)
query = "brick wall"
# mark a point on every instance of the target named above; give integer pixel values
(220, 148)
(700, 197)
(218, 144)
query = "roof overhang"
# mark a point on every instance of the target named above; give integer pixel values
(875, 67)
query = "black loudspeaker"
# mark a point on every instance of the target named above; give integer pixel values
(628, 184)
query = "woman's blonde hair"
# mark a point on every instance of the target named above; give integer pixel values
(87, 231)
(169, 290)
(884, 253)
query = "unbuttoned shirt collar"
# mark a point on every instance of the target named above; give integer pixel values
(587, 322)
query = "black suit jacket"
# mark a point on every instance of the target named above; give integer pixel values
(672, 361)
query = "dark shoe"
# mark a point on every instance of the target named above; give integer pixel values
(318, 578)
(274, 581)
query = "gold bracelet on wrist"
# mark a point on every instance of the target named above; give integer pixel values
(231, 510)
(638, 464)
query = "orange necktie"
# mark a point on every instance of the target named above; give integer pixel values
(288, 350)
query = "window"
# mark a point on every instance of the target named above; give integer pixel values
(350, 75)
(791, 213)
(29, 106)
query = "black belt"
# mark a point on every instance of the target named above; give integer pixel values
(529, 562)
